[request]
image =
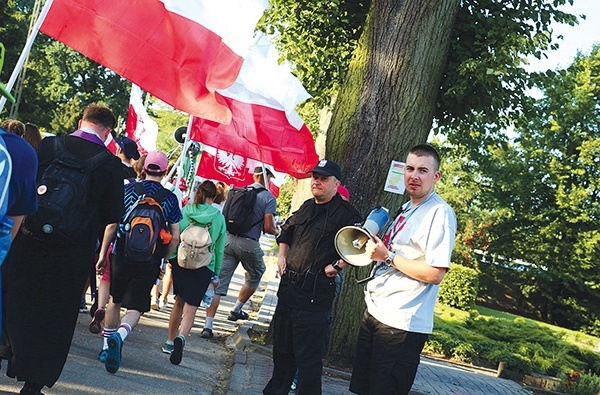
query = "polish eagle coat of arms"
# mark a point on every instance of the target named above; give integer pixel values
(230, 164)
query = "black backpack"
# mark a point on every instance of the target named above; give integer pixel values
(63, 195)
(238, 209)
(141, 226)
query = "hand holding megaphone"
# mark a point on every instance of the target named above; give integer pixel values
(351, 241)
(375, 250)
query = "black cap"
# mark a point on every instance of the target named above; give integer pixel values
(258, 170)
(129, 147)
(327, 168)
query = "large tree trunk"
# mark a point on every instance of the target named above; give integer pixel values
(385, 107)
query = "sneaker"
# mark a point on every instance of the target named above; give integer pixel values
(163, 303)
(113, 356)
(83, 308)
(177, 354)
(94, 307)
(234, 316)
(207, 333)
(167, 348)
(96, 324)
(154, 305)
(103, 354)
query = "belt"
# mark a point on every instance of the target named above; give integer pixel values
(243, 236)
(295, 277)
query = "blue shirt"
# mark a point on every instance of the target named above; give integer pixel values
(169, 204)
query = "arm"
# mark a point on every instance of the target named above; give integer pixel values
(416, 269)
(281, 261)
(109, 236)
(174, 231)
(18, 219)
(269, 225)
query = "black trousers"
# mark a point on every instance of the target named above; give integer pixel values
(386, 360)
(300, 340)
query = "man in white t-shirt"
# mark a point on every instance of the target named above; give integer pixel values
(412, 259)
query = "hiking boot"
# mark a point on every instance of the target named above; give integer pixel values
(177, 354)
(113, 357)
(102, 355)
(234, 316)
(167, 348)
(207, 333)
(96, 324)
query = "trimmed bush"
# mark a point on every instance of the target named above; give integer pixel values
(579, 383)
(459, 288)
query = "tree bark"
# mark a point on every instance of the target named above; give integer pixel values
(385, 107)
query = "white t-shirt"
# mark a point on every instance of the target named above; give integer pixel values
(400, 301)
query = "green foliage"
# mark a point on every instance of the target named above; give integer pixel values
(284, 201)
(486, 78)
(459, 287)
(168, 121)
(579, 383)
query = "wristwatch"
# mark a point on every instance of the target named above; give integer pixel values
(336, 265)
(389, 261)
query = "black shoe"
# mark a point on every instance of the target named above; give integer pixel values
(233, 316)
(31, 389)
(177, 354)
(207, 333)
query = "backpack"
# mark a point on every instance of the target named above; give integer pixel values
(6, 223)
(238, 209)
(195, 249)
(63, 195)
(141, 226)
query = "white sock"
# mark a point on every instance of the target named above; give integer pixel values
(124, 330)
(106, 333)
(238, 306)
(209, 322)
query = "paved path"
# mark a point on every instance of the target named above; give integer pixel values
(229, 364)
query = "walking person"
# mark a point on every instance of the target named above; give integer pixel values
(308, 264)
(244, 248)
(135, 266)
(413, 258)
(50, 258)
(189, 285)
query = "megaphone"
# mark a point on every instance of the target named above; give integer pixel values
(350, 241)
(179, 134)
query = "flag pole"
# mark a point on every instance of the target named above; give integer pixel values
(186, 145)
(26, 50)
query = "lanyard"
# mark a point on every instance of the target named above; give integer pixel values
(399, 223)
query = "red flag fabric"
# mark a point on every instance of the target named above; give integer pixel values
(111, 144)
(265, 126)
(140, 127)
(234, 170)
(180, 51)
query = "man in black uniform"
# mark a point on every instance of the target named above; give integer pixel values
(308, 265)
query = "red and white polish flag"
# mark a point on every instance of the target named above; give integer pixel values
(111, 144)
(180, 51)
(265, 126)
(234, 170)
(140, 127)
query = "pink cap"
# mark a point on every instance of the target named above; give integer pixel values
(343, 191)
(156, 161)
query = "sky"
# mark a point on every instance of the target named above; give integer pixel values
(580, 37)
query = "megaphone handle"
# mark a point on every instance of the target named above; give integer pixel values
(370, 277)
